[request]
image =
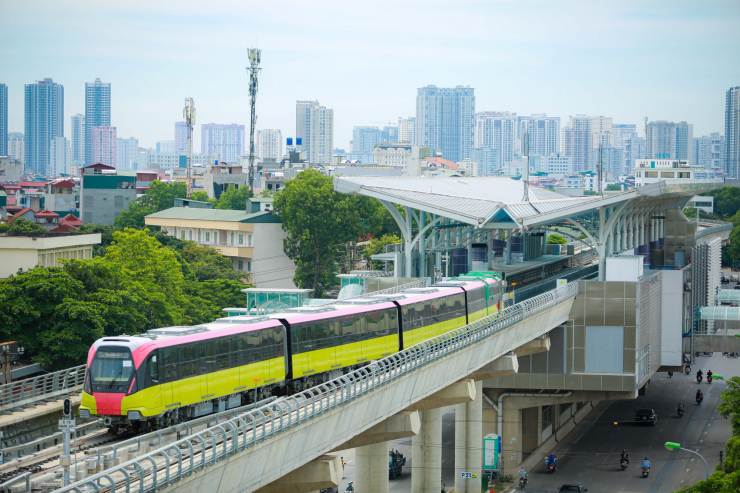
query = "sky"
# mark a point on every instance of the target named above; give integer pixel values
(667, 60)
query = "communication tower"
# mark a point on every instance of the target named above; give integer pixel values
(189, 114)
(254, 70)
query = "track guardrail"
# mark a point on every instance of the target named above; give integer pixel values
(15, 395)
(713, 229)
(170, 463)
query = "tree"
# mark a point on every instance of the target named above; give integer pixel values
(317, 219)
(206, 263)
(726, 201)
(21, 225)
(202, 196)
(614, 187)
(160, 196)
(233, 198)
(556, 239)
(377, 246)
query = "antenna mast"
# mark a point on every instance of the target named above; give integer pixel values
(601, 168)
(254, 70)
(525, 167)
(189, 114)
(646, 137)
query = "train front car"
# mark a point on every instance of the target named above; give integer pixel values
(115, 373)
(483, 293)
(430, 312)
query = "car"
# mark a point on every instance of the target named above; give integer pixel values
(737, 286)
(734, 278)
(646, 416)
(575, 488)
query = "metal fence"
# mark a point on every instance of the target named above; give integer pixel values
(15, 395)
(550, 284)
(170, 463)
(713, 230)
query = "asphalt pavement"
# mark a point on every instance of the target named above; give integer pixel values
(589, 455)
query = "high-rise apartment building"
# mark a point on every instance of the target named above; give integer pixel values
(576, 142)
(181, 137)
(624, 136)
(44, 120)
(269, 144)
(601, 129)
(407, 129)
(497, 130)
(17, 146)
(165, 147)
(445, 120)
(544, 134)
(364, 140)
(97, 113)
(3, 120)
(222, 142)
(709, 151)
(732, 132)
(389, 133)
(611, 158)
(104, 142)
(314, 124)
(77, 140)
(488, 159)
(633, 148)
(60, 156)
(669, 140)
(127, 153)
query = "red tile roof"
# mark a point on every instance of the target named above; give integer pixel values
(63, 228)
(99, 166)
(441, 161)
(31, 184)
(23, 211)
(63, 184)
(46, 213)
(71, 220)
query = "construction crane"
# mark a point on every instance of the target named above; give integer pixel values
(254, 70)
(189, 114)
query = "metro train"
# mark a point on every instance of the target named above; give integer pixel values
(173, 374)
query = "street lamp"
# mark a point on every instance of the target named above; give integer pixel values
(677, 446)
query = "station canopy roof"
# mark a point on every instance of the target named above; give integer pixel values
(500, 200)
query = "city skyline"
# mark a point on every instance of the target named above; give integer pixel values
(558, 71)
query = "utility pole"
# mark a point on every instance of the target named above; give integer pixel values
(254, 70)
(646, 138)
(189, 114)
(525, 167)
(601, 168)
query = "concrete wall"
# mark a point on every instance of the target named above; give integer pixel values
(271, 268)
(649, 325)
(20, 252)
(103, 205)
(672, 312)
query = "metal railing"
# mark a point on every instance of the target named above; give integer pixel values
(14, 395)
(420, 283)
(170, 463)
(570, 275)
(712, 230)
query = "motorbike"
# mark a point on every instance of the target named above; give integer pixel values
(709, 378)
(350, 488)
(680, 413)
(645, 472)
(698, 379)
(699, 400)
(670, 374)
(687, 369)
(522, 482)
(623, 464)
(551, 467)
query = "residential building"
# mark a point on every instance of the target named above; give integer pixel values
(732, 132)
(445, 120)
(11, 169)
(624, 136)
(269, 144)
(104, 194)
(60, 157)
(222, 142)
(601, 129)
(364, 140)
(60, 197)
(576, 142)
(44, 120)
(469, 167)
(488, 159)
(181, 137)
(169, 161)
(3, 120)
(104, 148)
(97, 113)
(251, 239)
(709, 151)
(402, 155)
(497, 130)
(17, 146)
(78, 139)
(314, 125)
(127, 153)
(27, 251)
(611, 158)
(389, 133)
(669, 140)
(555, 165)
(165, 147)
(217, 178)
(407, 130)
(544, 134)
(653, 170)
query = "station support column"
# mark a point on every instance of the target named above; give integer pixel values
(426, 453)
(372, 467)
(469, 442)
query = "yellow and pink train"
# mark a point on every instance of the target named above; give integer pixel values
(177, 373)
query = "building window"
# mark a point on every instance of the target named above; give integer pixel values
(215, 237)
(232, 239)
(198, 236)
(604, 349)
(684, 175)
(241, 265)
(191, 235)
(182, 234)
(249, 240)
(208, 236)
(241, 239)
(667, 174)
(249, 266)
(546, 416)
(651, 174)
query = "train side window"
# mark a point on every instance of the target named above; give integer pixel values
(169, 356)
(360, 328)
(153, 368)
(393, 320)
(254, 342)
(348, 330)
(373, 325)
(207, 359)
(188, 361)
(268, 345)
(279, 341)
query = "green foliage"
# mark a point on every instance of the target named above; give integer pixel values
(726, 201)
(377, 246)
(21, 225)
(142, 281)
(233, 198)
(729, 480)
(589, 192)
(614, 187)
(556, 239)
(317, 219)
(202, 196)
(160, 196)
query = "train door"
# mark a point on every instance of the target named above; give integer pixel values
(170, 389)
(154, 390)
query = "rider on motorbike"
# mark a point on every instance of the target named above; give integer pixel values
(699, 394)
(523, 474)
(625, 456)
(553, 459)
(646, 463)
(709, 374)
(699, 373)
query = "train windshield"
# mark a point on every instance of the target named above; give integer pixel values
(112, 366)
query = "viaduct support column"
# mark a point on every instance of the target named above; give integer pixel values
(372, 467)
(426, 453)
(469, 442)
